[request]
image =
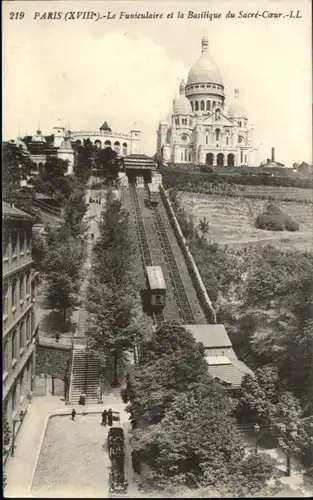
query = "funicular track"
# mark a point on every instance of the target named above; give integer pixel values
(183, 304)
(143, 241)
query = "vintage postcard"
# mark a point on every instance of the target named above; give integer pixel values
(157, 210)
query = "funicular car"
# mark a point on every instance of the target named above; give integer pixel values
(118, 482)
(154, 194)
(156, 288)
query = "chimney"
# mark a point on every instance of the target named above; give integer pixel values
(273, 154)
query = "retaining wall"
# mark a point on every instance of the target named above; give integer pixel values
(203, 297)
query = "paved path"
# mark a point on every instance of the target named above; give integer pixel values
(29, 439)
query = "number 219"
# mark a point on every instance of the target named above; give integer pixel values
(17, 15)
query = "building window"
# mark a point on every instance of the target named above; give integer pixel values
(217, 114)
(213, 104)
(107, 143)
(208, 105)
(14, 243)
(5, 300)
(14, 345)
(189, 155)
(22, 241)
(6, 356)
(197, 105)
(207, 139)
(241, 156)
(22, 337)
(14, 398)
(192, 105)
(176, 121)
(14, 298)
(217, 134)
(246, 158)
(124, 148)
(22, 287)
(28, 283)
(239, 123)
(202, 86)
(202, 105)
(190, 122)
(227, 140)
(5, 246)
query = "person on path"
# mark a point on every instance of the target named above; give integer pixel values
(104, 417)
(82, 399)
(73, 414)
(110, 417)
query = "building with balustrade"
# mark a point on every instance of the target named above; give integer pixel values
(18, 315)
(62, 144)
(123, 144)
(201, 129)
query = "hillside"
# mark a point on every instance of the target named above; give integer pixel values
(232, 221)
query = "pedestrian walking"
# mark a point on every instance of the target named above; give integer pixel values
(110, 418)
(104, 417)
(73, 414)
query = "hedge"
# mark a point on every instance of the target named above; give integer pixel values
(274, 219)
(178, 178)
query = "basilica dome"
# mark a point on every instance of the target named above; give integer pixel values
(181, 105)
(204, 70)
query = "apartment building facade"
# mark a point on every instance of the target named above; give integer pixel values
(20, 329)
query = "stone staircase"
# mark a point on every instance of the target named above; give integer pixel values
(85, 375)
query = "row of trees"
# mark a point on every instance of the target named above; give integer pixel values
(264, 297)
(59, 254)
(183, 432)
(116, 323)
(90, 159)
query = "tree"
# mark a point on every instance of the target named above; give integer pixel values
(107, 164)
(196, 445)
(114, 248)
(172, 361)
(62, 267)
(52, 179)
(203, 226)
(113, 321)
(259, 395)
(74, 210)
(85, 158)
(16, 168)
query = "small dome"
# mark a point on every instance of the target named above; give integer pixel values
(38, 137)
(66, 144)
(21, 144)
(204, 70)
(237, 109)
(182, 106)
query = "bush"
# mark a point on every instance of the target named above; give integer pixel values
(274, 219)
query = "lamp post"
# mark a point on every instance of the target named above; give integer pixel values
(256, 430)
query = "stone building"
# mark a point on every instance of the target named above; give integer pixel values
(18, 321)
(201, 129)
(123, 144)
(62, 144)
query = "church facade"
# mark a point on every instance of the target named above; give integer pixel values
(201, 129)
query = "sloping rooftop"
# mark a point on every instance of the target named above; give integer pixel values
(210, 335)
(105, 126)
(11, 212)
(139, 162)
(230, 373)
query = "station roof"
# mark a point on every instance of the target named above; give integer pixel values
(139, 162)
(210, 335)
(155, 278)
(229, 372)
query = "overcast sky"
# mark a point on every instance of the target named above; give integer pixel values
(127, 71)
